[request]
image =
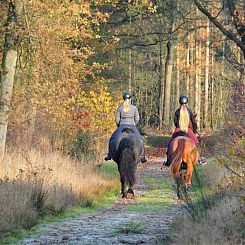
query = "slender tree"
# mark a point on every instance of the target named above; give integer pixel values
(9, 62)
(169, 64)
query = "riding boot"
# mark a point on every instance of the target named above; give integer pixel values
(108, 157)
(202, 161)
(167, 163)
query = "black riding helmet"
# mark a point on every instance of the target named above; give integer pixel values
(126, 95)
(183, 99)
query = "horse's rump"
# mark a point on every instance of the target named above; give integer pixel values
(176, 155)
(123, 133)
(130, 143)
(182, 150)
(128, 154)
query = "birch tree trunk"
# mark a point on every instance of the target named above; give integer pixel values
(197, 84)
(130, 70)
(212, 92)
(177, 92)
(9, 62)
(188, 68)
(205, 119)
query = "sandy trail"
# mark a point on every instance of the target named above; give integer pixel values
(107, 226)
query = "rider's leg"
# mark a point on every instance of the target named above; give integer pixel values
(108, 157)
(167, 163)
(192, 136)
(202, 160)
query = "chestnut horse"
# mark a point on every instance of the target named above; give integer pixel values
(182, 154)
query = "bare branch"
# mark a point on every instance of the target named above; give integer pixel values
(226, 32)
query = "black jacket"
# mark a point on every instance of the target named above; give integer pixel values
(192, 120)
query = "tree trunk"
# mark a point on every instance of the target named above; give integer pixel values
(161, 87)
(168, 78)
(197, 83)
(169, 66)
(188, 68)
(205, 119)
(177, 92)
(212, 104)
(9, 62)
(130, 70)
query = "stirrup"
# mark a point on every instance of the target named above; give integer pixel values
(107, 158)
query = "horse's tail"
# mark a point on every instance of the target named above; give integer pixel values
(178, 157)
(127, 161)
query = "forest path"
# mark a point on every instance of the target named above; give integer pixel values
(145, 219)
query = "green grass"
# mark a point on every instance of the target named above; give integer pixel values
(95, 204)
(109, 170)
(15, 236)
(130, 227)
(158, 196)
(154, 141)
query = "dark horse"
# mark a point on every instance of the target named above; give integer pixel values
(183, 155)
(127, 155)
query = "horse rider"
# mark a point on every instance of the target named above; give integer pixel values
(184, 120)
(127, 115)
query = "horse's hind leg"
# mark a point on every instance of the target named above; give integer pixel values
(123, 192)
(122, 180)
(188, 174)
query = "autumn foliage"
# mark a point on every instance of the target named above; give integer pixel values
(58, 88)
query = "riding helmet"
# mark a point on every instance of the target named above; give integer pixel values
(126, 95)
(183, 99)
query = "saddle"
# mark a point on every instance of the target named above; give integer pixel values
(127, 130)
(181, 133)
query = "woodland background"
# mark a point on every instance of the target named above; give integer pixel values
(75, 58)
(64, 67)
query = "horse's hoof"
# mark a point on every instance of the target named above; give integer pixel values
(124, 195)
(130, 194)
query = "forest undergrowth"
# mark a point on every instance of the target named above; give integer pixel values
(34, 185)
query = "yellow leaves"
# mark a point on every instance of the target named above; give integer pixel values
(99, 105)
